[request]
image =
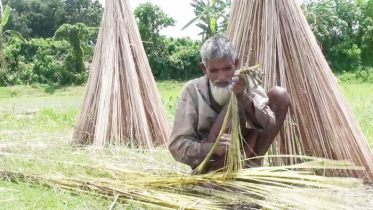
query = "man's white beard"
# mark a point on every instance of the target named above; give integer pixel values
(220, 94)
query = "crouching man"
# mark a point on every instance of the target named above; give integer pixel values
(202, 106)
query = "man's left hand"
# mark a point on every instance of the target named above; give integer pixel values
(238, 83)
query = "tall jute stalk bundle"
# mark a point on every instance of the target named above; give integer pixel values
(121, 103)
(276, 35)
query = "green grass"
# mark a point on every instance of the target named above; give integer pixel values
(35, 131)
(360, 99)
(170, 91)
(27, 196)
(39, 91)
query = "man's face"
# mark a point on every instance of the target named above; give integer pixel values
(220, 71)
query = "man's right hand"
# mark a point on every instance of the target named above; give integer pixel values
(224, 143)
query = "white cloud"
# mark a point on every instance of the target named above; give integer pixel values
(180, 10)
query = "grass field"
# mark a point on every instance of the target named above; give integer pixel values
(360, 98)
(35, 131)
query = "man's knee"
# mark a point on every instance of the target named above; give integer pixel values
(279, 96)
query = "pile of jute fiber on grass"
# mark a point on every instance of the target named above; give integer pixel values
(283, 187)
(121, 105)
(276, 35)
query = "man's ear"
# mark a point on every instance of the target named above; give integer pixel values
(237, 63)
(203, 67)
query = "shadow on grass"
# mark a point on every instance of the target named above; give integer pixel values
(52, 89)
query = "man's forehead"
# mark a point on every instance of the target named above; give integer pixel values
(220, 62)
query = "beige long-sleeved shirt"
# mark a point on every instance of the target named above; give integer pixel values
(194, 118)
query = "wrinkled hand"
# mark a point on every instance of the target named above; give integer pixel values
(224, 143)
(238, 83)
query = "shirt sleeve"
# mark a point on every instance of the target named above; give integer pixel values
(185, 146)
(257, 113)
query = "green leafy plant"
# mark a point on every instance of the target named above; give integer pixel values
(35, 61)
(344, 31)
(211, 15)
(4, 17)
(78, 36)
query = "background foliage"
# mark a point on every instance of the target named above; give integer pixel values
(41, 18)
(35, 61)
(169, 58)
(60, 36)
(344, 29)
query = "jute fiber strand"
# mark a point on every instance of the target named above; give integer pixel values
(282, 187)
(276, 35)
(122, 105)
(235, 159)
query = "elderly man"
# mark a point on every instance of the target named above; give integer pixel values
(203, 103)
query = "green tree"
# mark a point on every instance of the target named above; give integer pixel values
(151, 20)
(37, 18)
(41, 18)
(88, 12)
(344, 30)
(18, 20)
(169, 58)
(184, 59)
(211, 17)
(39, 60)
(366, 34)
(4, 17)
(78, 36)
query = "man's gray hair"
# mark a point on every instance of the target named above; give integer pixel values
(217, 47)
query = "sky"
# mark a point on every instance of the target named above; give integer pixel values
(180, 10)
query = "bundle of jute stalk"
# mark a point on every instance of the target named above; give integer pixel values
(235, 159)
(285, 187)
(276, 35)
(122, 105)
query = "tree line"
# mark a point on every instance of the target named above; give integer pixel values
(344, 29)
(58, 38)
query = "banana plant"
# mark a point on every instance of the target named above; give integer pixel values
(4, 17)
(208, 14)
